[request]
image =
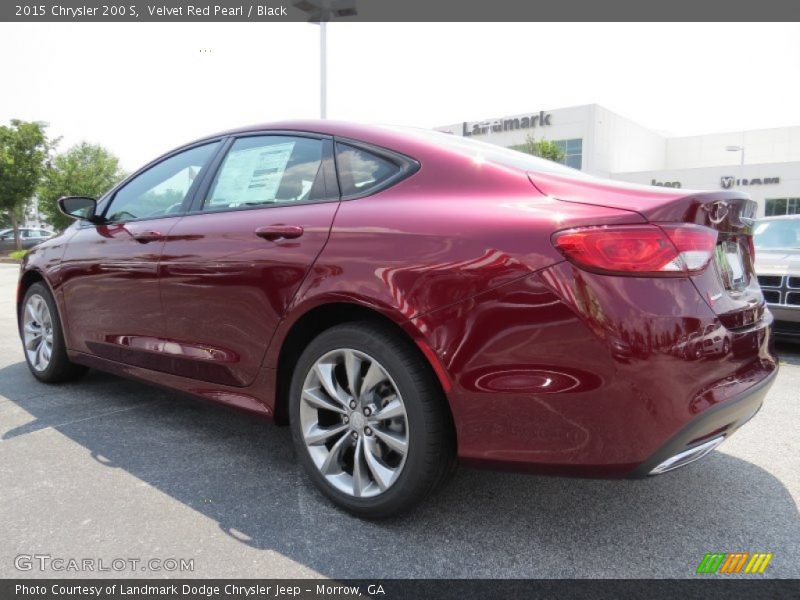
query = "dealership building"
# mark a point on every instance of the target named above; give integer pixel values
(765, 163)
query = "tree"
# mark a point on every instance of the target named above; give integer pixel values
(542, 148)
(24, 148)
(83, 170)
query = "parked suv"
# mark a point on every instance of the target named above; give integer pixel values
(777, 240)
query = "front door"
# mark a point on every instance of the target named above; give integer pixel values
(110, 270)
(231, 267)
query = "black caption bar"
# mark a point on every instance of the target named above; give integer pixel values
(397, 10)
(394, 589)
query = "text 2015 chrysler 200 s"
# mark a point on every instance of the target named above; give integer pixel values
(404, 299)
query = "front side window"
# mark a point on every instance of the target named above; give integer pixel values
(361, 171)
(160, 190)
(267, 170)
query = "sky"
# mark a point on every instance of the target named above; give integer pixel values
(140, 89)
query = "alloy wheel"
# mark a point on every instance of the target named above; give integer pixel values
(37, 327)
(354, 423)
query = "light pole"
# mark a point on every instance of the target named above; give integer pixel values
(741, 164)
(323, 70)
(319, 13)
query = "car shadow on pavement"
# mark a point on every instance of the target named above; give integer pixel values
(242, 472)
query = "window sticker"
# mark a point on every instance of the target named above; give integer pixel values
(252, 176)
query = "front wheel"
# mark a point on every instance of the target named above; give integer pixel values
(369, 420)
(43, 338)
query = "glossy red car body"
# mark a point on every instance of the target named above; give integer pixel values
(545, 365)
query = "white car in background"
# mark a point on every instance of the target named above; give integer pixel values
(777, 241)
(28, 236)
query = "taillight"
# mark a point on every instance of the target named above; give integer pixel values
(653, 250)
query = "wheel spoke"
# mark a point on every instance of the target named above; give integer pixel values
(373, 377)
(33, 340)
(331, 463)
(315, 398)
(394, 408)
(40, 307)
(317, 435)
(37, 360)
(393, 441)
(324, 372)
(382, 475)
(32, 312)
(352, 366)
(360, 470)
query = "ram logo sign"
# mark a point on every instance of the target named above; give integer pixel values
(728, 181)
(729, 563)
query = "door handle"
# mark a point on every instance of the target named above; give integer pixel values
(277, 232)
(143, 237)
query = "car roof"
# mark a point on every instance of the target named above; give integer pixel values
(323, 126)
(358, 131)
(415, 142)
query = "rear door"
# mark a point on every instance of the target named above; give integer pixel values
(231, 267)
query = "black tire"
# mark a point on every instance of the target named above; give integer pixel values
(431, 456)
(60, 368)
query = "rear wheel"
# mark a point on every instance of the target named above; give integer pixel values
(369, 421)
(43, 338)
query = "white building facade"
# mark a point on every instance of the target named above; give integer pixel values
(765, 163)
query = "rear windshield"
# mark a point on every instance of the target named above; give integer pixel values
(492, 153)
(777, 234)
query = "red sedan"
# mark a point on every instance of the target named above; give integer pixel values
(406, 299)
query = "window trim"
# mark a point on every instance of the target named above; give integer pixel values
(408, 166)
(105, 201)
(331, 181)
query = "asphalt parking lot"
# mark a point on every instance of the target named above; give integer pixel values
(107, 468)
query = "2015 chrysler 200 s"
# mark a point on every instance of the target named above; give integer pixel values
(406, 298)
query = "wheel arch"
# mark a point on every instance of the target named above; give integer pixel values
(321, 317)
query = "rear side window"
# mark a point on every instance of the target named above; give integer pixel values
(266, 170)
(361, 172)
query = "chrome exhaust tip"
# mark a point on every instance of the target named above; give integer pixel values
(687, 456)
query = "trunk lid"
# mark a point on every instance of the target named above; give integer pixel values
(729, 284)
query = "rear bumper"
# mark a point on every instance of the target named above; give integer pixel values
(567, 372)
(717, 422)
